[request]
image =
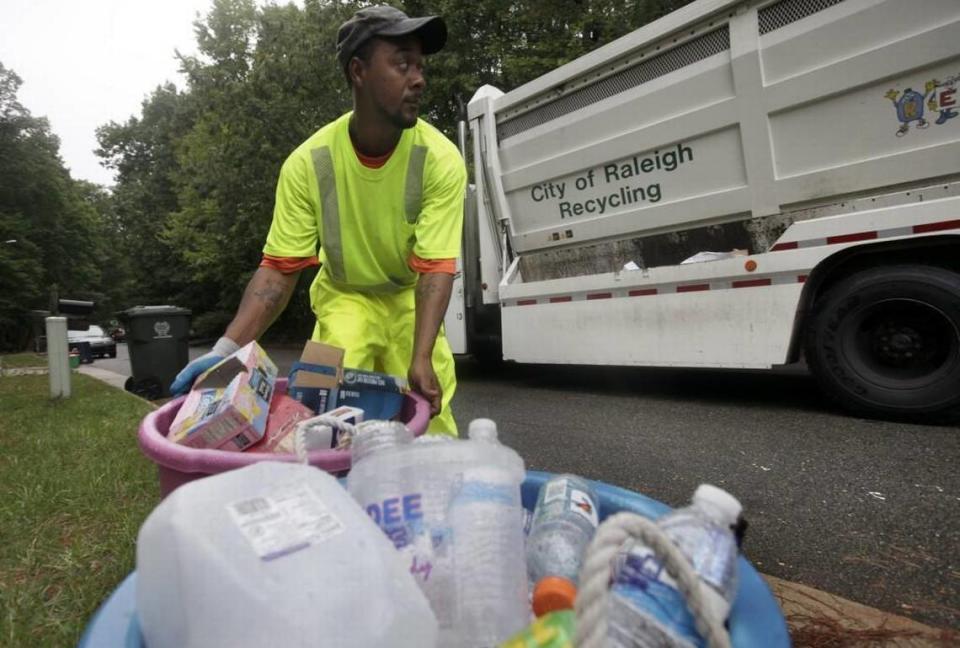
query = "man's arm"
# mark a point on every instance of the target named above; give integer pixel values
(265, 297)
(432, 297)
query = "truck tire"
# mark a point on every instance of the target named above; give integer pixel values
(886, 342)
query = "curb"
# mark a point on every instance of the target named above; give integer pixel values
(818, 618)
(112, 378)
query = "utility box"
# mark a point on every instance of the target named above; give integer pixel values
(77, 312)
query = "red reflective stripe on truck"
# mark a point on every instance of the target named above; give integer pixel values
(693, 288)
(526, 302)
(801, 278)
(642, 292)
(560, 300)
(603, 295)
(936, 227)
(792, 245)
(751, 283)
(849, 238)
(924, 228)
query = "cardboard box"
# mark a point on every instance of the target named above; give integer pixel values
(285, 414)
(320, 381)
(315, 379)
(380, 396)
(228, 406)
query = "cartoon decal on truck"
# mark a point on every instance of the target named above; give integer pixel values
(945, 100)
(937, 95)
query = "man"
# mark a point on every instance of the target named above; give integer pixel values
(381, 192)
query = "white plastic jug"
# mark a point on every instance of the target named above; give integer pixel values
(274, 554)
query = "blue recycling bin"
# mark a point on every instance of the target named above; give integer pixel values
(755, 620)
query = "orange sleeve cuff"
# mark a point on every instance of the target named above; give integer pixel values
(424, 266)
(288, 265)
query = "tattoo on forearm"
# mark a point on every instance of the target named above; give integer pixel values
(271, 293)
(426, 288)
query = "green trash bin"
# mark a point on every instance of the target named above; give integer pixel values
(158, 343)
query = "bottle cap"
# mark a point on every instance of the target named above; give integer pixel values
(482, 429)
(719, 500)
(553, 593)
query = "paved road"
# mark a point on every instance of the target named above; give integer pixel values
(869, 510)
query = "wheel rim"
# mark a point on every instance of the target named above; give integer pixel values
(901, 343)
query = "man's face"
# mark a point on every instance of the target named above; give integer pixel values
(394, 81)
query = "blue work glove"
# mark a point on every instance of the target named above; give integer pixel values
(182, 383)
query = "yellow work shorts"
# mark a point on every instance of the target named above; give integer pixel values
(376, 331)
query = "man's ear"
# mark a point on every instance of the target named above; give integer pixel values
(357, 71)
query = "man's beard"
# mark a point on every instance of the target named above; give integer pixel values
(399, 120)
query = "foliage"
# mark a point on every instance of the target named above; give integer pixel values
(52, 230)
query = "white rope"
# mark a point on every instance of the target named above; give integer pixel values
(593, 597)
(347, 431)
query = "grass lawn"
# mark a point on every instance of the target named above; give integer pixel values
(17, 360)
(75, 491)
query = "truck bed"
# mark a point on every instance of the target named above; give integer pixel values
(717, 127)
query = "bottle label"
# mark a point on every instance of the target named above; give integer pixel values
(400, 517)
(581, 504)
(483, 492)
(643, 583)
(284, 520)
(561, 495)
(555, 490)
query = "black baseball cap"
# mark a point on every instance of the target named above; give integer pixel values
(383, 20)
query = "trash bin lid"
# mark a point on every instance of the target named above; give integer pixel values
(152, 311)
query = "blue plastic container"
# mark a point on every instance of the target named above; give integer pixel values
(755, 620)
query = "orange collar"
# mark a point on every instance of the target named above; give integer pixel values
(373, 162)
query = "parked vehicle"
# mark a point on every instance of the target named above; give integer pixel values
(118, 333)
(814, 145)
(101, 344)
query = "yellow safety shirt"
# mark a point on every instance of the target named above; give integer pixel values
(366, 221)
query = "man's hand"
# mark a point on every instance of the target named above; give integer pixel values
(423, 380)
(184, 380)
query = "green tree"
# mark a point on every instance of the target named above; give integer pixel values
(57, 230)
(506, 43)
(261, 83)
(142, 152)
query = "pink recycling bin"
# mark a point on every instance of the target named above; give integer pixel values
(177, 464)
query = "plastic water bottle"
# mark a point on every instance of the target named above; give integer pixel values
(486, 518)
(274, 554)
(404, 486)
(646, 609)
(564, 522)
(408, 488)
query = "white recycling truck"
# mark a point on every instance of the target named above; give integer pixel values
(812, 145)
